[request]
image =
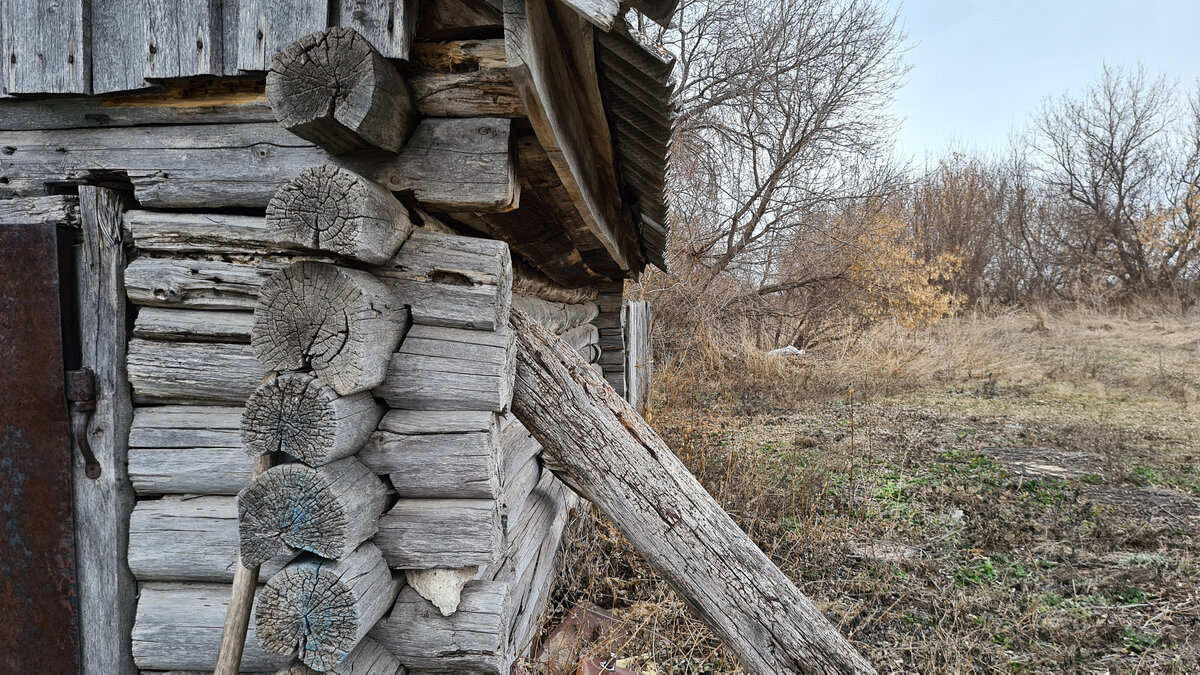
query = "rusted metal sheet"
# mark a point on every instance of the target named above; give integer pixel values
(38, 615)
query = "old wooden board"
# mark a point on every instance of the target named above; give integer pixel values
(47, 46)
(447, 165)
(38, 621)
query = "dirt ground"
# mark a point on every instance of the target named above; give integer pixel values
(1012, 493)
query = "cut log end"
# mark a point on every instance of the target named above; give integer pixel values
(327, 510)
(324, 609)
(327, 208)
(334, 89)
(344, 324)
(301, 416)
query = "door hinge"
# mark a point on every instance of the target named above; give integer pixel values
(81, 394)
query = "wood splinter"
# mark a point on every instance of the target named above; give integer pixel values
(323, 608)
(297, 414)
(327, 208)
(328, 510)
(336, 90)
(342, 323)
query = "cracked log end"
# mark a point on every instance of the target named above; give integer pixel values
(298, 414)
(342, 323)
(334, 89)
(323, 609)
(327, 208)
(328, 510)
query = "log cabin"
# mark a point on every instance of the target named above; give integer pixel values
(257, 261)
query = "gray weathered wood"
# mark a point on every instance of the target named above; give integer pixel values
(133, 40)
(334, 89)
(471, 640)
(606, 452)
(517, 445)
(342, 323)
(298, 414)
(101, 506)
(479, 636)
(187, 325)
(432, 454)
(48, 46)
(192, 372)
(639, 358)
(167, 232)
(179, 628)
(328, 510)
(602, 13)
(120, 46)
(517, 490)
(450, 369)
(324, 608)
(197, 284)
(447, 165)
(529, 281)
(583, 339)
(458, 19)
(386, 24)
(368, 658)
(327, 208)
(558, 317)
(188, 539)
(267, 26)
(57, 210)
(226, 102)
(426, 533)
(187, 450)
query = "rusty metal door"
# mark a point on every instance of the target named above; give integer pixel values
(38, 614)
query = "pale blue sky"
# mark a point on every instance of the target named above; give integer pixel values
(980, 67)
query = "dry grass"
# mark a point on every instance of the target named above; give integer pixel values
(886, 478)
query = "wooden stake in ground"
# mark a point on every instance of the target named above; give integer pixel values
(597, 444)
(241, 602)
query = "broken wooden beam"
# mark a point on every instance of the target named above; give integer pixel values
(327, 208)
(342, 323)
(336, 90)
(464, 78)
(298, 414)
(327, 510)
(605, 451)
(324, 609)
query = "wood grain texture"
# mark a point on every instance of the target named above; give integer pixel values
(557, 317)
(324, 609)
(47, 46)
(464, 78)
(427, 533)
(458, 19)
(450, 369)
(187, 325)
(178, 102)
(56, 210)
(528, 280)
(605, 451)
(639, 357)
(342, 323)
(552, 61)
(201, 283)
(328, 510)
(471, 640)
(297, 414)
(188, 539)
(368, 658)
(327, 208)
(447, 164)
(102, 506)
(266, 26)
(387, 24)
(192, 372)
(336, 90)
(437, 454)
(187, 450)
(179, 626)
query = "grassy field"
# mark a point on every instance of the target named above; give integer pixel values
(1004, 493)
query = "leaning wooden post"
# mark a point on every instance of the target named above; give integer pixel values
(597, 444)
(241, 602)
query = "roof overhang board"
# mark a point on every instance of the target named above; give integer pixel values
(551, 55)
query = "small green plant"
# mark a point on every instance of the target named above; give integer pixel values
(977, 573)
(1137, 642)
